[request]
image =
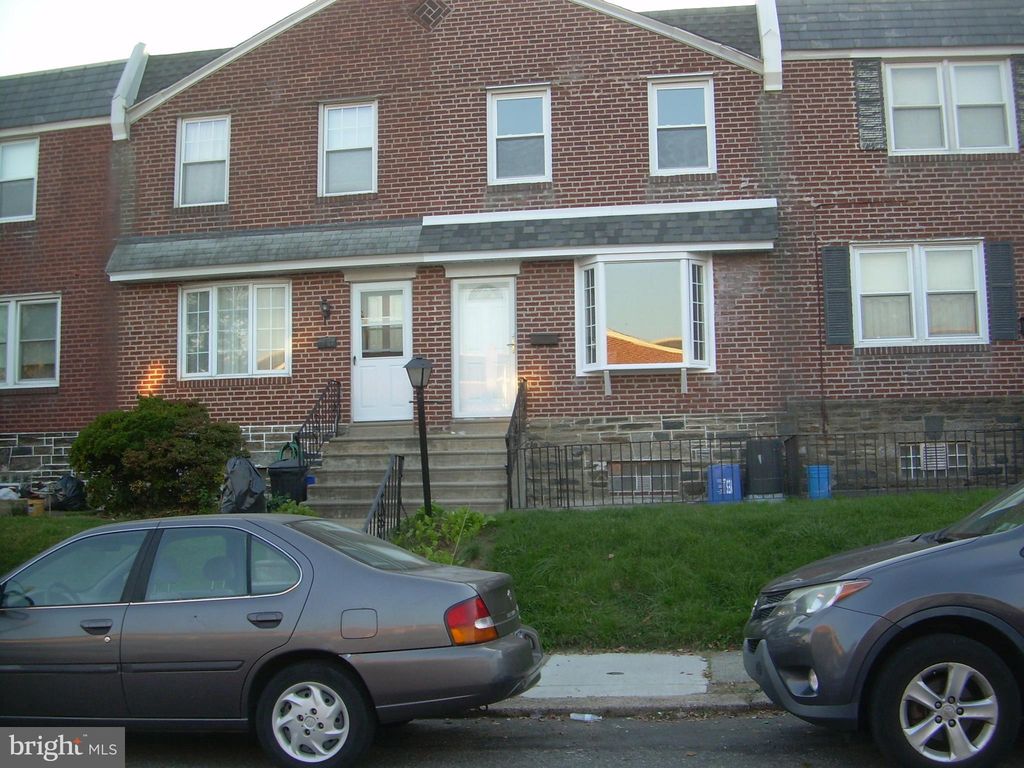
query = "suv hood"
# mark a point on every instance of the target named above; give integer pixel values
(857, 562)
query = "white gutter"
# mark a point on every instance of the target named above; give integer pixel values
(126, 91)
(771, 43)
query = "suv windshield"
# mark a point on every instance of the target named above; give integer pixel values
(366, 549)
(1003, 513)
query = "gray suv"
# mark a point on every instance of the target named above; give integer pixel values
(921, 640)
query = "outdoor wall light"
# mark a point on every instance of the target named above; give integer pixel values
(325, 309)
(419, 369)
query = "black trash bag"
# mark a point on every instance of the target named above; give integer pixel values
(67, 494)
(243, 489)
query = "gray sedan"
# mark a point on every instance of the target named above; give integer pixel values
(306, 631)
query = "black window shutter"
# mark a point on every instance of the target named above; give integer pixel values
(835, 261)
(1002, 293)
(867, 88)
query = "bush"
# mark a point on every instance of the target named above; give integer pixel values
(161, 456)
(440, 535)
(285, 505)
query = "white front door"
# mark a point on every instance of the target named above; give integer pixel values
(485, 347)
(381, 346)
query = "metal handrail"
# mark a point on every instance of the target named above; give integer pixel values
(386, 511)
(514, 439)
(320, 425)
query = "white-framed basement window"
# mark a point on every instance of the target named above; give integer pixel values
(348, 149)
(681, 115)
(519, 135)
(235, 330)
(950, 107)
(919, 294)
(204, 148)
(644, 312)
(29, 341)
(19, 167)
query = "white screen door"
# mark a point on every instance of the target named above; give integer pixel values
(485, 349)
(381, 346)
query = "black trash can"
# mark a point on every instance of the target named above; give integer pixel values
(288, 478)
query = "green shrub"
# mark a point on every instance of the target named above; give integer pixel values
(161, 456)
(285, 505)
(441, 535)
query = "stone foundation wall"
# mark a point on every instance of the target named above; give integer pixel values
(34, 457)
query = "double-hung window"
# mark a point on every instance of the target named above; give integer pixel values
(950, 107)
(241, 329)
(348, 149)
(682, 126)
(519, 136)
(19, 162)
(644, 313)
(29, 341)
(203, 152)
(919, 294)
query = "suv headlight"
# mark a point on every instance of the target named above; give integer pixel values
(809, 600)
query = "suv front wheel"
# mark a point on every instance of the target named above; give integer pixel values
(945, 699)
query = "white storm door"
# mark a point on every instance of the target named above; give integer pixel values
(485, 347)
(381, 346)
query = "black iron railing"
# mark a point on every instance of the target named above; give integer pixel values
(321, 424)
(729, 469)
(514, 441)
(387, 511)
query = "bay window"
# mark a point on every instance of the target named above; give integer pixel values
(29, 341)
(235, 330)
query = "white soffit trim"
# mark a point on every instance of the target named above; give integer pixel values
(145, 107)
(652, 209)
(951, 52)
(66, 125)
(126, 91)
(485, 269)
(771, 43)
(379, 275)
(724, 52)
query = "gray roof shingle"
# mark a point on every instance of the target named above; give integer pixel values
(733, 26)
(57, 95)
(167, 69)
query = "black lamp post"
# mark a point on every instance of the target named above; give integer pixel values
(419, 369)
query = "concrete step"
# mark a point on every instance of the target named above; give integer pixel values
(378, 462)
(348, 445)
(345, 476)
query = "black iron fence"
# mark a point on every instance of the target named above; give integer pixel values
(735, 468)
(321, 424)
(386, 511)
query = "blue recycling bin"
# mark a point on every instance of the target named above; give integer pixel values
(724, 483)
(819, 481)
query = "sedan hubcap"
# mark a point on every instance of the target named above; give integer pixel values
(310, 722)
(949, 712)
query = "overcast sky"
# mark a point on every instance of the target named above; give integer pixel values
(50, 34)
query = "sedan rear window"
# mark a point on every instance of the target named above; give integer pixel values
(366, 549)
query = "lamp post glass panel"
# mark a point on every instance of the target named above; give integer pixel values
(419, 369)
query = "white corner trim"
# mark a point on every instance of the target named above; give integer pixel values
(724, 52)
(28, 131)
(953, 52)
(486, 269)
(126, 91)
(145, 107)
(771, 43)
(652, 209)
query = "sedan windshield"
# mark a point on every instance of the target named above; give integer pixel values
(366, 549)
(1004, 513)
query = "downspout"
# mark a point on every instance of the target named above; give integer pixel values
(126, 91)
(771, 44)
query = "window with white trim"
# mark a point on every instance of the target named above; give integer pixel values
(19, 165)
(203, 153)
(29, 341)
(929, 293)
(348, 149)
(950, 107)
(519, 136)
(682, 127)
(934, 459)
(241, 329)
(645, 478)
(644, 313)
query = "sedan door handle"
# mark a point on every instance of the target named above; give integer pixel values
(97, 626)
(267, 620)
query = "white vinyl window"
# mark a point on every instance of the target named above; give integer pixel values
(19, 165)
(934, 459)
(519, 136)
(919, 294)
(644, 313)
(348, 149)
(240, 329)
(682, 127)
(29, 341)
(203, 153)
(950, 107)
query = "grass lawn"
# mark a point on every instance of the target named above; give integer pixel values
(666, 577)
(23, 537)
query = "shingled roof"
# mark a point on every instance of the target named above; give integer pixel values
(167, 69)
(734, 26)
(57, 95)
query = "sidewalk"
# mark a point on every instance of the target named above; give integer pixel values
(623, 684)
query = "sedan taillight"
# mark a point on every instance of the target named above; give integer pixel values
(469, 622)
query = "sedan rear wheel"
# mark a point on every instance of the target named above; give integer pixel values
(314, 714)
(945, 699)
